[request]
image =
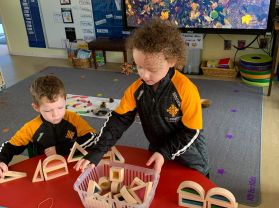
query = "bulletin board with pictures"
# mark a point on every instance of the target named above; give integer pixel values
(67, 20)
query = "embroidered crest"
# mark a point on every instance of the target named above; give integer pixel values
(172, 110)
(70, 134)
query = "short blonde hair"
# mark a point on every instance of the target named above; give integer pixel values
(48, 86)
(158, 36)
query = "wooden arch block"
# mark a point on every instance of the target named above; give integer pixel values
(12, 175)
(38, 174)
(220, 197)
(54, 166)
(76, 148)
(191, 195)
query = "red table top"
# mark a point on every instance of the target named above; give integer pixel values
(23, 193)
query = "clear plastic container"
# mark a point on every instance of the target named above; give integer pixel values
(131, 171)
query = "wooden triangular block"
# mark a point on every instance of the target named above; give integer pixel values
(141, 192)
(12, 175)
(93, 188)
(38, 175)
(76, 147)
(116, 155)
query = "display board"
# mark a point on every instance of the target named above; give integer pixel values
(67, 19)
(31, 15)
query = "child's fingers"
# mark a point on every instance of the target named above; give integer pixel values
(150, 160)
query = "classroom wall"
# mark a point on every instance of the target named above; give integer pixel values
(12, 18)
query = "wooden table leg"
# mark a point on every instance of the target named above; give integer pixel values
(95, 59)
(125, 56)
(105, 56)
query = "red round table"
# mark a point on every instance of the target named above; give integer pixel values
(24, 193)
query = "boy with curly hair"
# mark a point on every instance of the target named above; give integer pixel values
(167, 102)
(54, 131)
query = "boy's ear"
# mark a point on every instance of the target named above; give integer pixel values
(35, 107)
(172, 62)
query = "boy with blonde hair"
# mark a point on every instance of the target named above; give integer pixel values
(54, 131)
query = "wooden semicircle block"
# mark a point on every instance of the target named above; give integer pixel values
(191, 194)
(220, 197)
(38, 174)
(54, 166)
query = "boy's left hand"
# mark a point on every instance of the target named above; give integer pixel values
(50, 151)
(158, 161)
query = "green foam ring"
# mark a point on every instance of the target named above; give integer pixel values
(256, 58)
(257, 84)
(255, 72)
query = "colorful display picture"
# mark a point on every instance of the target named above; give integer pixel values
(91, 106)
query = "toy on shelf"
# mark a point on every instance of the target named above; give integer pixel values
(192, 195)
(12, 175)
(128, 68)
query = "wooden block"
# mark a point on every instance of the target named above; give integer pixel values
(12, 175)
(76, 148)
(116, 155)
(104, 183)
(220, 197)
(38, 174)
(116, 174)
(108, 195)
(127, 196)
(191, 195)
(141, 192)
(93, 188)
(106, 158)
(54, 166)
(115, 187)
(118, 197)
(136, 182)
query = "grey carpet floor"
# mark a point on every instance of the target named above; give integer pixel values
(232, 125)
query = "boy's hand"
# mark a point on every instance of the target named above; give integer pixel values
(82, 164)
(158, 161)
(3, 169)
(50, 151)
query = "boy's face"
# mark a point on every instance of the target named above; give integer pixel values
(52, 112)
(152, 67)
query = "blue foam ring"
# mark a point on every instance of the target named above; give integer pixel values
(255, 67)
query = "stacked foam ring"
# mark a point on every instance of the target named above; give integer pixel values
(255, 69)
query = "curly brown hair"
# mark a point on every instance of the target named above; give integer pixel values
(48, 86)
(158, 36)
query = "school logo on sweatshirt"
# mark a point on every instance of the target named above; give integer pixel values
(70, 134)
(172, 110)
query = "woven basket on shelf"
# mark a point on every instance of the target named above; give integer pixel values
(82, 63)
(217, 72)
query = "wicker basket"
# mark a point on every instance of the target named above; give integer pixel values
(217, 72)
(82, 63)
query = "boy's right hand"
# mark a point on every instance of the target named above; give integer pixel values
(82, 164)
(3, 168)
(50, 151)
